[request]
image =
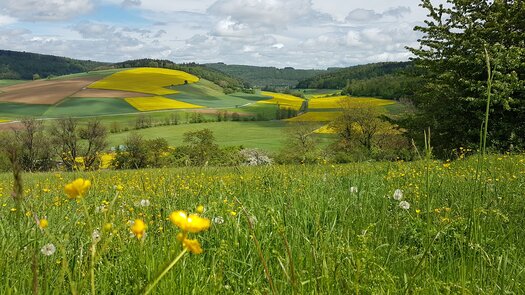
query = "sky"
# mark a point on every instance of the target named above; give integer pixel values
(282, 33)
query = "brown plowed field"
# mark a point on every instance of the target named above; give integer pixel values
(100, 93)
(44, 92)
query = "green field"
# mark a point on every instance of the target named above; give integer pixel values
(84, 107)
(20, 110)
(205, 93)
(4, 83)
(97, 74)
(276, 230)
(265, 135)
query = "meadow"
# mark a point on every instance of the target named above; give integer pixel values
(266, 135)
(283, 100)
(424, 227)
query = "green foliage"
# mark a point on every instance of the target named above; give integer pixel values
(339, 79)
(137, 153)
(451, 63)
(388, 86)
(266, 76)
(28, 66)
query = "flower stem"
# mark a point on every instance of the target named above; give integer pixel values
(152, 285)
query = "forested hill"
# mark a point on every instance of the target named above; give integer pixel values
(25, 66)
(339, 79)
(267, 76)
(227, 82)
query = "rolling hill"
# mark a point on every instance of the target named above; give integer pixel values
(24, 65)
(267, 76)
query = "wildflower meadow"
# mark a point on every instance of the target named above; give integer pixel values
(425, 227)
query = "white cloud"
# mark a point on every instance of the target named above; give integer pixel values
(271, 13)
(297, 33)
(370, 16)
(6, 20)
(45, 10)
(230, 28)
(131, 3)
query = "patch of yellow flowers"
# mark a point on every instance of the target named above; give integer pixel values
(77, 188)
(192, 223)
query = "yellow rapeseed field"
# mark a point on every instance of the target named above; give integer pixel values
(316, 117)
(334, 102)
(145, 80)
(325, 129)
(3, 121)
(156, 103)
(284, 100)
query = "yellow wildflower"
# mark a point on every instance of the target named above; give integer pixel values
(200, 209)
(193, 246)
(77, 188)
(192, 223)
(418, 211)
(107, 227)
(43, 223)
(139, 228)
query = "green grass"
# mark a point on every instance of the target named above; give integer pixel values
(92, 74)
(459, 236)
(18, 110)
(263, 135)
(309, 93)
(82, 107)
(208, 94)
(4, 83)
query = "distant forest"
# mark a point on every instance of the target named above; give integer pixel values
(384, 80)
(27, 66)
(267, 76)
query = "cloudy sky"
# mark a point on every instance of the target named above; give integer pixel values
(297, 33)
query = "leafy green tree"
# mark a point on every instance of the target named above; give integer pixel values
(451, 62)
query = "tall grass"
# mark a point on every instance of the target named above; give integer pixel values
(298, 227)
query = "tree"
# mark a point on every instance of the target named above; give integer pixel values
(65, 140)
(95, 135)
(35, 153)
(72, 142)
(200, 146)
(301, 146)
(133, 155)
(451, 62)
(359, 126)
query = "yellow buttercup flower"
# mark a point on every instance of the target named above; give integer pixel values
(200, 209)
(193, 246)
(77, 188)
(43, 223)
(107, 227)
(189, 223)
(139, 228)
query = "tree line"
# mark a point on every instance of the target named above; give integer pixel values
(26, 66)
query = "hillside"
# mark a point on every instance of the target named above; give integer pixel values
(383, 80)
(267, 76)
(23, 65)
(338, 79)
(228, 82)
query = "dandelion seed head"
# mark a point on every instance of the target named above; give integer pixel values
(95, 236)
(48, 249)
(218, 220)
(398, 195)
(404, 205)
